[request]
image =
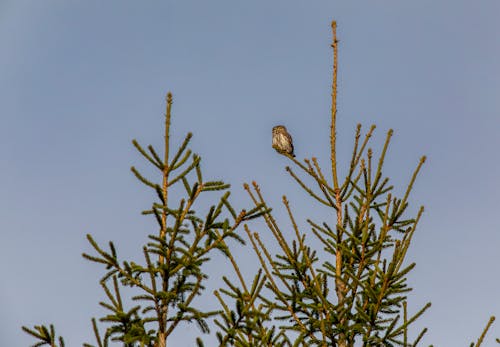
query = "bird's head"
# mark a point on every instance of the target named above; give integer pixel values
(278, 128)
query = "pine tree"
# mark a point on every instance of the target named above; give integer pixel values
(173, 272)
(353, 291)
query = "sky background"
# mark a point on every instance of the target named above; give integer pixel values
(81, 79)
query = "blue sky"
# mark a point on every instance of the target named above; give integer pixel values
(80, 80)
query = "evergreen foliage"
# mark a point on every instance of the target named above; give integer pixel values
(351, 292)
(45, 336)
(172, 274)
(354, 291)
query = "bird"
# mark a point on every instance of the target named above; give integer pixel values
(282, 140)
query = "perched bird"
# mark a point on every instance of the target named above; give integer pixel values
(282, 141)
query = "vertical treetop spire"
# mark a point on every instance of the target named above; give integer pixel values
(333, 133)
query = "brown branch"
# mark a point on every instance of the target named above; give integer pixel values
(269, 276)
(195, 292)
(333, 132)
(481, 338)
(268, 218)
(324, 313)
(340, 286)
(162, 313)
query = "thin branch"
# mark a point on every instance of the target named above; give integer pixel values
(481, 338)
(333, 131)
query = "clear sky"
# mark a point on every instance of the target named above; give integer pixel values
(81, 79)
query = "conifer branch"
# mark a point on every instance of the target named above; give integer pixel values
(155, 156)
(179, 317)
(412, 181)
(333, 125)
(181, 150)
(46, 336)
(483, 334)
(153, 160)
(273, 284)
(236, 269)
(403, 328)
(357, 155)
(182, 161)
(353, 164)
(307, 259)
(408, 236)
(307, 189)
(97, 335)
(142, 178)
(268, 218)
(322, 182)
(419, 337)
(193, 165)
(316, 173)
(162, 311)
(378, 174)
(323, 311)
(270, 261)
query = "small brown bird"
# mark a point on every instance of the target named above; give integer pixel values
(282, 141)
